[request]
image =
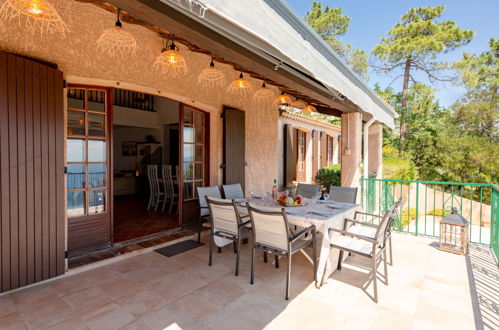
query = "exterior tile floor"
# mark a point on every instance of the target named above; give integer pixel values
(428, 289)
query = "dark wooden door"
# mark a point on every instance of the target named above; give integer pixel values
(88, 160)
(234, 156)
(315, 153)
(289, 154)
(32, 240)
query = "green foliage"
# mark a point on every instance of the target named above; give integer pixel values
(396, 167)
(329, 176)
(331, 24)
(420, 36)
(439, 212)
(407, 216)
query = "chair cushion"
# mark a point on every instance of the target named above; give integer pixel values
(362, 230)
(352, 244)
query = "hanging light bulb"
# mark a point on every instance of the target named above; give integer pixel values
(211, 76)
(263, 94)
(299, 104)
(39, 15)
(240, 86)
(309, 108)
(170, 61)
(117, 41)
(283, 99)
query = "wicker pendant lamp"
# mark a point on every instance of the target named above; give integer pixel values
(211, 76)
(116, 41)
(170, 61)
(309, 108)
(283, 99)
(38, 15)
(263, 94)
(240, 86)
(299, 104)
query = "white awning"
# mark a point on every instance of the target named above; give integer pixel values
(272, 27)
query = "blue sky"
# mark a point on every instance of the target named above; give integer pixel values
(371, 19)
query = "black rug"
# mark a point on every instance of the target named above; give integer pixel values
(180, 247)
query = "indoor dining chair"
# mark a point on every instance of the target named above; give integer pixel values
(168, 188)
(155, 192)
(272, 233)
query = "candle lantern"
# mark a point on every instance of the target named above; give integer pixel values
(454, 233)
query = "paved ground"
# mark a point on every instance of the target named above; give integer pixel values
(428, 289)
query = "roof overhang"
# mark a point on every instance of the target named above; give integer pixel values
(269, 38)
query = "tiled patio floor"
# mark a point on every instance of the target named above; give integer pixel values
(428, 289)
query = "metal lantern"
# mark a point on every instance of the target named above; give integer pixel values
(454, 233)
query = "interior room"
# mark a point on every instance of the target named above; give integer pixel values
(145, 132)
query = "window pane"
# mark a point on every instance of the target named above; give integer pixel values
(96, 151)
(96, 201)
(189, 134)
(76, 203)
(188, 171)
(187, 115)
(199, 135)
(76, 122)
(198, 118)
(96, 100)
(188, 152)
(198, 172)
(76, 176)
(96, 175)
(96, 124)
(76, 98)
(199, 152)
(76, 150)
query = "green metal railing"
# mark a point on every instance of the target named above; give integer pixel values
(424, 203)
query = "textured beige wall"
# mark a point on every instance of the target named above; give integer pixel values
(77, 57)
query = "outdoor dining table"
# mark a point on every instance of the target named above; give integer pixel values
(324, 215)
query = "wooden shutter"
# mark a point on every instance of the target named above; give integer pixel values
(289, 154)
(234, 157)
(315, 153)
(323, 148)
(32, 172)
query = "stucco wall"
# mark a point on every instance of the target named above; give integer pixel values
(77, 57)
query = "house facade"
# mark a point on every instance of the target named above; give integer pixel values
(79, 126)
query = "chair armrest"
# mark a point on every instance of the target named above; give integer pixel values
(346, 233)
(245, 223)
(362, 223)
(368, 214)
(310, 229)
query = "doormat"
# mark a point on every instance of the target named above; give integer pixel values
(180, 247)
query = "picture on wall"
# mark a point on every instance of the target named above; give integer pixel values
(129, 148)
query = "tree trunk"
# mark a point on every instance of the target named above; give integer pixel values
(403, 115)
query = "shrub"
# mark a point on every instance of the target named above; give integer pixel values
(439, 212)
(329, 176)
(397, 167)
(407, 216)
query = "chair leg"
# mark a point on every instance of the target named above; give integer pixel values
(288, 277)
(391, 254)
(276, 260)
(340, 260)
(386, 266)
(219, 250)
(234, 246)
(252, 279)
(211, 250)
(264, 257)
(374, 273)
(200, 227)
(314, 256)
(238, 254)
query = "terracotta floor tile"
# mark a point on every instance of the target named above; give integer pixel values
(109, 316)
(118, 287)
(87, 299)
(141, 302)
(12, 321)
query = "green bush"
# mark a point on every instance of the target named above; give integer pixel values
(439, 212)
(329, 176)
(396, 167)
(408, 215)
